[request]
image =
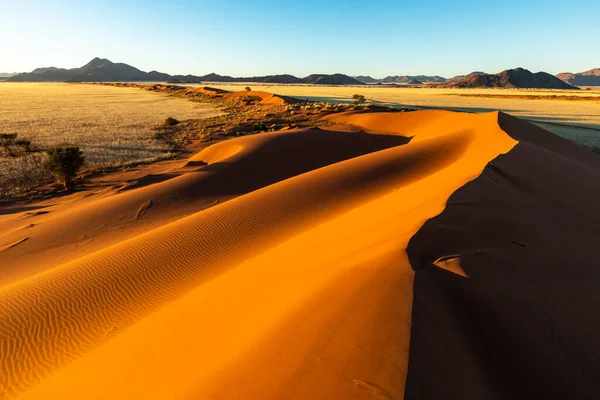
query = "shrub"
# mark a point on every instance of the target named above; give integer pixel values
(24, 144)
(21, 174)
(248, 89)
(7, 139)
(171, 122)
(64, 163)
(259, 127)
(358, 99)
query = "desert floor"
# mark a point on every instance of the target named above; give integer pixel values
(576, 120)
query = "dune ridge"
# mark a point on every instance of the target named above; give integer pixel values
(75, 325)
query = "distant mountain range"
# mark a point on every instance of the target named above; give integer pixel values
(586, 78)
(511, 79)
(103, 70)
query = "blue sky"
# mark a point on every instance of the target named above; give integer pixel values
(258, 37)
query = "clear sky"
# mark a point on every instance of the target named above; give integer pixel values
(258, 37)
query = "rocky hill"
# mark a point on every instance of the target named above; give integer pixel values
(513, 79)
(586, 78)
(103, 70)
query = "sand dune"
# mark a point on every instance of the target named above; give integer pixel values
(282, 265)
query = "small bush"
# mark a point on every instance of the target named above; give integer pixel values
(21, 174)
(171, 122)
(358, 99)
(248, 89)
(259, 127)
(24, 144)
(7, 139)
(64, 164)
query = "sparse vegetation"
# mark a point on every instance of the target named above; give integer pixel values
(358, 99)
(64, 164)
(112, 126)
(260, 126)
(10, 146)
(22, 174)
(171, 121)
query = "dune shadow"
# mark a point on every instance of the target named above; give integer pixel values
(289, 155)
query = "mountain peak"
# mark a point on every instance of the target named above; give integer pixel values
(96, 62)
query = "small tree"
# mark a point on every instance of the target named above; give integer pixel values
(248, 89)
(64, 163)
(358, 99)
(171, 121)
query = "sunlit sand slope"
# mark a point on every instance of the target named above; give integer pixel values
(297, 286)
(53, 235)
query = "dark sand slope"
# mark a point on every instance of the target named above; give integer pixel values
(525, 323)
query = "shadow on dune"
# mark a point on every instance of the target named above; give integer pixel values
(279, 157)
(525, 323)
(289, 155)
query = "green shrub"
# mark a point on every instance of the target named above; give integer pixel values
(64, 163)
(24, 144)
(7, 139)
(259, 127)
(358, 99)
(248, 89)
(171, 122)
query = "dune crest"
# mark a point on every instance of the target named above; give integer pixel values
(270, 266)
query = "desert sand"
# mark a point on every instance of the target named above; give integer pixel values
(426, 254)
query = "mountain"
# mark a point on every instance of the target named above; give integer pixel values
(512, 79)
(335, 79)
(4, 75)
(414, 82)
(407, 78)
(285, 78)
(459, 77)
(586, 78)
(365, 79)
(97, 70)
(103, 70)
(100, 70)
(48, 74)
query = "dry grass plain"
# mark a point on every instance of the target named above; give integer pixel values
(113, 126)
(576, 120)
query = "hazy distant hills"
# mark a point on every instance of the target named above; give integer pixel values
(586, 78)
(460, 77)
(512, 79)
(401, 79)
(365, 79)
(4, 75)
(335, 79)
(103, 70)
(97, 70)
(407, 78)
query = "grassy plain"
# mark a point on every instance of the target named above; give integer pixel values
(113, 126)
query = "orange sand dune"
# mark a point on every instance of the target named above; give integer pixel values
(264, 97)
(265, 267)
